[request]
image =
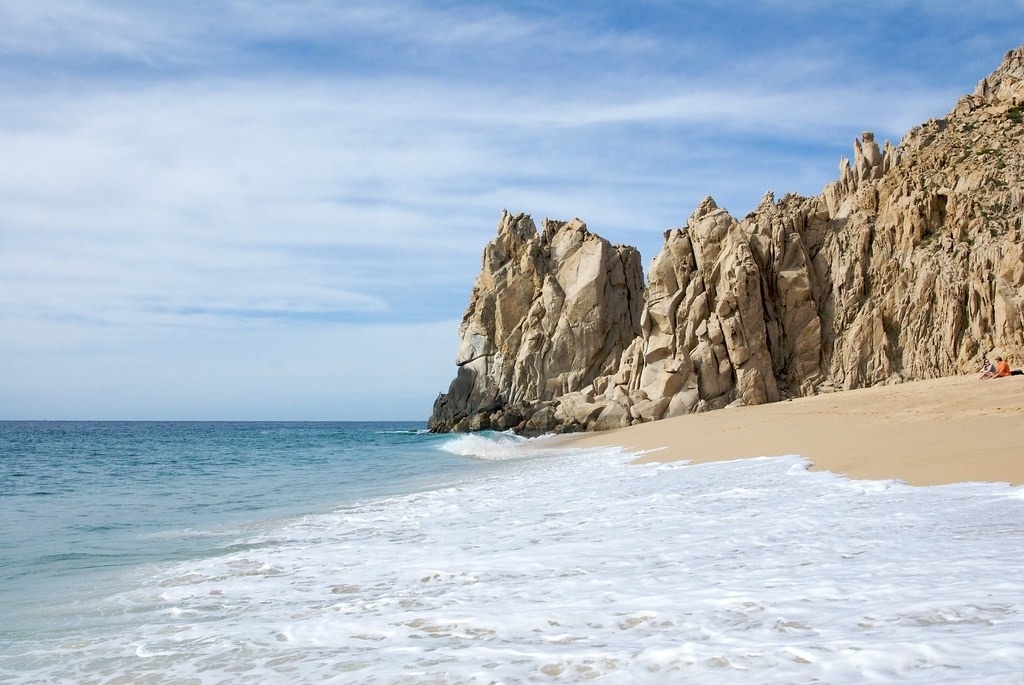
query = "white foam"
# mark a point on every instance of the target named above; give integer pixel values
(565, 569)
(495, 446)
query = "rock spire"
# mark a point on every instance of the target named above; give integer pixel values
(548, 314)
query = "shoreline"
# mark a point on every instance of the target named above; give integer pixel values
(931, 432)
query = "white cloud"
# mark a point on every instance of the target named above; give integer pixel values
(269, 175)
(63, 28)
(256, 197)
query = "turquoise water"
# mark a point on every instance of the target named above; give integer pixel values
(219, 553)
(81, 502)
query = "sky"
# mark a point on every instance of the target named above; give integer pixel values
(275, 210)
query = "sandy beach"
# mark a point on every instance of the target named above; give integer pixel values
(931, 432)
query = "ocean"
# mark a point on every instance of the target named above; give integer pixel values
(381, 553)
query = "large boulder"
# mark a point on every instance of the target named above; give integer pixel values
(549, 312)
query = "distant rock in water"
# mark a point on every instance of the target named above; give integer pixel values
(909, 266)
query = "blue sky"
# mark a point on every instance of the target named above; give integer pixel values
(276, 210)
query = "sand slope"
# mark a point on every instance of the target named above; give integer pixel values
(930, 432)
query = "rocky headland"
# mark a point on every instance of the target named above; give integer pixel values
(909, 266)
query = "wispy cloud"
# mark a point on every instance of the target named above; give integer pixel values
(224, 173)
(80, 29)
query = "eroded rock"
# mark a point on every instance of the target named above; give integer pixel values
(910, 265)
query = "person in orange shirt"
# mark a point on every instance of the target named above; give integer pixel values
(1000, 370)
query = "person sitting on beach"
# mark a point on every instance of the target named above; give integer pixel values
(1000, 370)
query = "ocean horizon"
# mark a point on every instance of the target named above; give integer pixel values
(377, 552)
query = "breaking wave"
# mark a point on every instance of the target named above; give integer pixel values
(494, 446)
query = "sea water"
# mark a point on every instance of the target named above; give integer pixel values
(379, 553)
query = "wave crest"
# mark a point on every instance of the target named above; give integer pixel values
(494, 446)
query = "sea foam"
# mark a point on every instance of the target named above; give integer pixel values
(495, 446)
(580, 566)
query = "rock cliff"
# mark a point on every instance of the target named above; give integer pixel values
(910, 265)
(549, 313)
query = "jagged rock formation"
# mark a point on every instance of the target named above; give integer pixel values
(909, 266)
(549, 313)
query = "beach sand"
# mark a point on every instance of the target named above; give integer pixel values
(931, 432)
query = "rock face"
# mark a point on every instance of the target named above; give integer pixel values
(549, 313)
(909, 266)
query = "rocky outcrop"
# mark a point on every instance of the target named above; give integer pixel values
(549, 313)
(703, 342)
(910, 265)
